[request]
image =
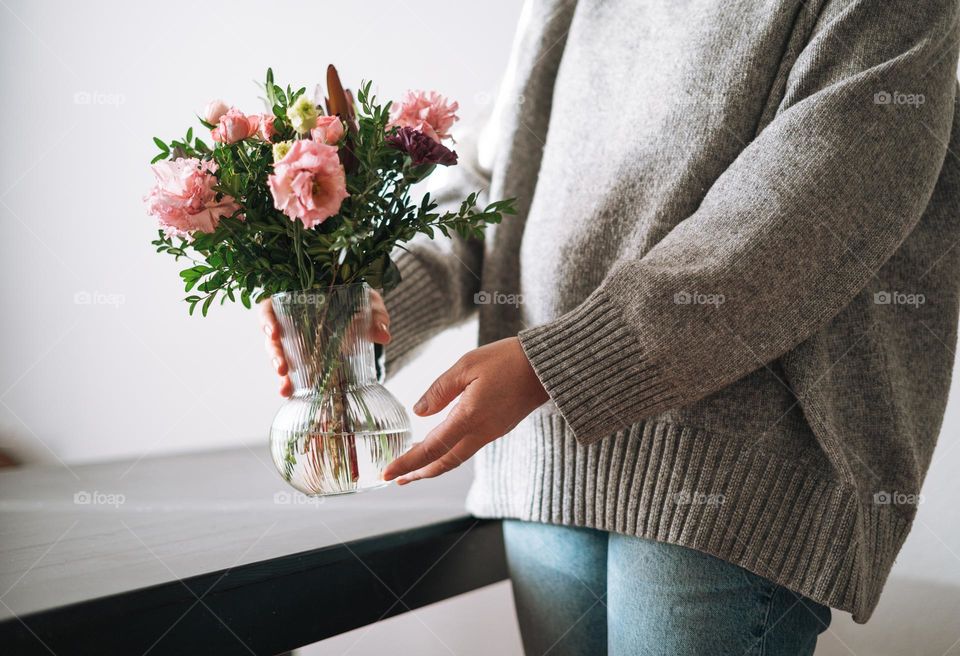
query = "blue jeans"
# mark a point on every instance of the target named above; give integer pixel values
(587, 592)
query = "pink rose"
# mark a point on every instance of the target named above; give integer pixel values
(308, 183)
(429, 113)
(329, 130)
(214, 110)
(183, 198)
(266, 127)
(235, 126)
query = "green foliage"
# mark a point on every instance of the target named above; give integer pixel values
(260, 251)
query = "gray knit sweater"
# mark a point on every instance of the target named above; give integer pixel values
(734, 270)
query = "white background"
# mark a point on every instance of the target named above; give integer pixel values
(85, 87)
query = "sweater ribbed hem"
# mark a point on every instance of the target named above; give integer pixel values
(592, 367)
(423, 309)
(697, 489)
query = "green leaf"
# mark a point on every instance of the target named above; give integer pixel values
(270, 88)
(391, 276)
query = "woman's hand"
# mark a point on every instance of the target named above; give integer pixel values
(499, 389)
(379, 333)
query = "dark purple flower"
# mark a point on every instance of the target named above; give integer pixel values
(421, 148)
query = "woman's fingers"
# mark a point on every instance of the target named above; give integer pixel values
(274, 347)
(444, 389)
(438, 444)
(463, 434)
(379, 330)
(463, 451)
(268, 320)
(379, 319)
(277, 358)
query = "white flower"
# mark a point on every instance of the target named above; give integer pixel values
(302, 114)
(281, 149)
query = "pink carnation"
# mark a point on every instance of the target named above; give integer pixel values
(183, 198)
(329, 130)
(235, 126)
(429, 113)
(308, 183)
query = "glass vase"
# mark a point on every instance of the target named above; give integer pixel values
(341, 427)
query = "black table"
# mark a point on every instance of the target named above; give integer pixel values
(211, 553)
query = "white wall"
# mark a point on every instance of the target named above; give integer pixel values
(131, 374)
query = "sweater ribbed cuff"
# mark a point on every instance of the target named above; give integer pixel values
(594, 370)
(417, 311)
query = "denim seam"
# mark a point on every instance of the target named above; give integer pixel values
(771, 593)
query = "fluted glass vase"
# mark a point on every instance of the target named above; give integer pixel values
(341, 427)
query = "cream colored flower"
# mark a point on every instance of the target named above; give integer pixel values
(281, 149)
(303, 115)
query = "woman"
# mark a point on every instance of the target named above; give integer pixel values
(730, 293)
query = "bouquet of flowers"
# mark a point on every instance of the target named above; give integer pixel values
(298, 198)
(307, 206)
